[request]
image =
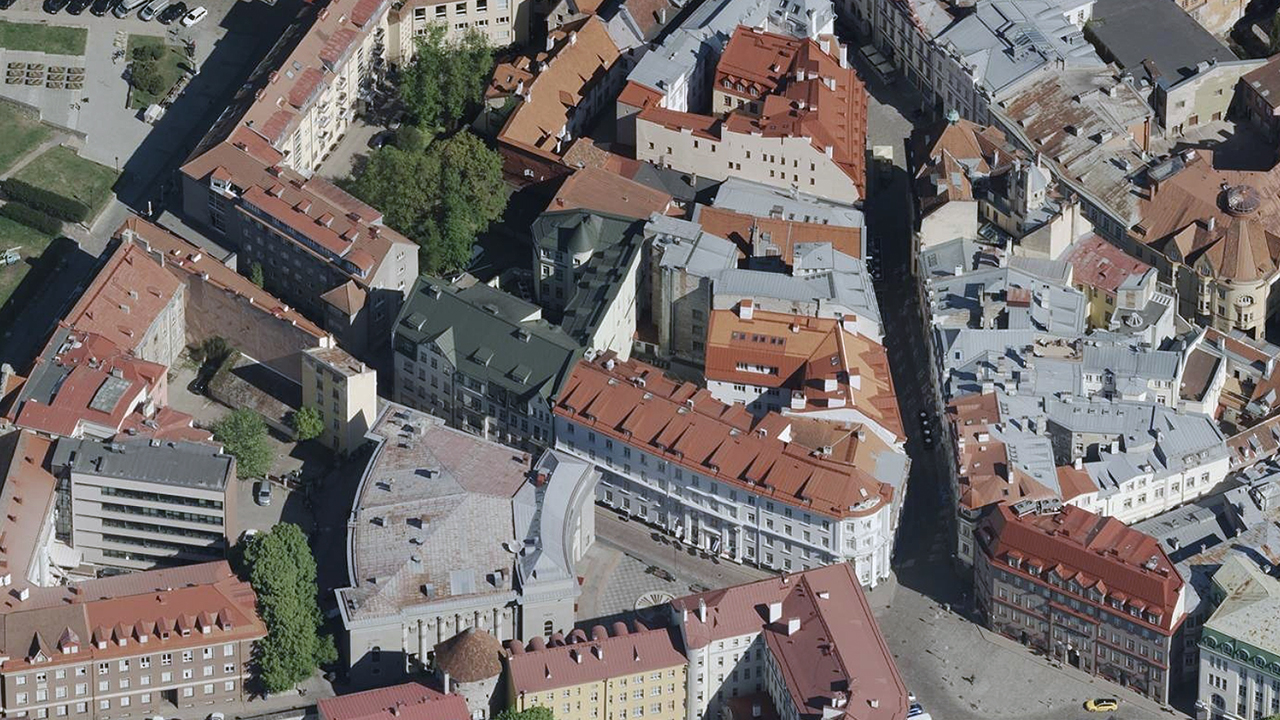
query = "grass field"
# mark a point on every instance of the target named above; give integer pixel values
(167, 67)
(22, 132)
(33, 243)
(60, 170)
(42, 38)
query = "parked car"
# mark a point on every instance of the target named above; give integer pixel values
(6, 4)
(152, 8)
(53, 7)
(194, 16)
(124, 7)
(75, 7)
(175, 11)
(102, 7)
(928, 437)
(1102, 705)
(381, 139)
(262, 493)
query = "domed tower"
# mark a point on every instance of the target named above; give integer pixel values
(470, 664)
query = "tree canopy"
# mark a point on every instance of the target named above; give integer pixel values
(282, 572)
(445, 81)
(442, 197)
(306, 422)
(243, 434)
(537, 712)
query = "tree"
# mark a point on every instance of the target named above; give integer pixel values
(144, 76)
(213, 351)
(282, 572)
(442, 197)
(243, 434)
(256, 275)
(306, 423)
(445, 81)
(537, 712)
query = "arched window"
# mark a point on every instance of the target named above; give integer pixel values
(548, 627)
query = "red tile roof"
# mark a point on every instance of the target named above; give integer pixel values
(125, 298)
(186, 260)
(1100, 264)
(743, 230)
(591, 188)
(812, 94)
(1096, 551)
(582, 54)
(583, 659)
(836, 652)
(410, 701)
(806, 351)
(636, 404)
(103, 384)
(26, 499)
(64, 623)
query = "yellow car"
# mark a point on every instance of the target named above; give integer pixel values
(1102, 705)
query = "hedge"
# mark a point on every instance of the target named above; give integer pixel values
(51, 203)
(32, 218)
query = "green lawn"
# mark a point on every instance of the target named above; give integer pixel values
(59, 169)
(167, 66)
(33, 243)
(23, 132)
(42, 38)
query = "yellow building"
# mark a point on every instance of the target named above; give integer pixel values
(624, 675)
(1099, 269)
(345, 391)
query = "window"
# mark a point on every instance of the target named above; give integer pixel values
(166, 659)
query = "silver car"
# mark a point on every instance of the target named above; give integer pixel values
(152, 9)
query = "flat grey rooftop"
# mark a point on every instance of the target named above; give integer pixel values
(178, 464)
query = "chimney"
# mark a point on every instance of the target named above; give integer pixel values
(702, 610)
(1213, 222)
(775, 612)
(793, 625)
(755, 710)
(746, 309)
(447, 686)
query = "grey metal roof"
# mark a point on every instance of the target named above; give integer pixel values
(684, 245)
(1135, 33)
(1006, 41)
(178, 464)
(1127, 361)
(470, 323)
(752, 198)
(849, 287)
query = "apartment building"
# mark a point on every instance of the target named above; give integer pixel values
(138, 504)
(684, 262)
(501, 22)
(553, 97)
(221, 302)
(1084, 589)
(798, 364)
(481, 359)
(1239, 674)
(631, 672)
(1253, 97)
(802, 126)
(785, 646)
(34, 554)
(714, 477)
(1099, 268)
(345, 391)
(141, 645)
(432, 539)
(84, 385)
(1213, 235)
(320, 249)
(586, 270)
(135, 304)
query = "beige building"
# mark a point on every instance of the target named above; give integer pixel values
(786, 112)
(502, 22)
(142, 645)
(345, 391)
(1202, 97)
(136, 304)
(627, 674)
